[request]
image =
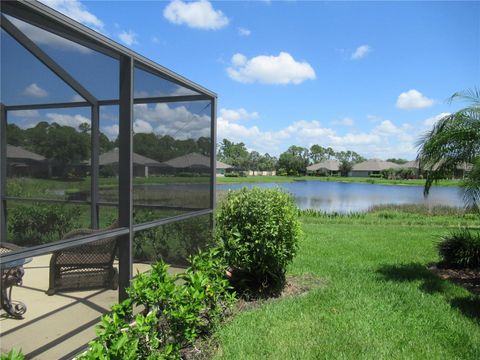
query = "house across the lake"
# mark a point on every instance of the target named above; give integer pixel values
(458, 173)
(327, 167)
(371, 167)
(261, 173)
(142, 165)
(221, 168)
(22, 162)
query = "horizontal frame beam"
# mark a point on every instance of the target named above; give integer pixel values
(99, 203)
(47, 106)
(170, 220)
(59, 245)
(63, 244)
(48, 201)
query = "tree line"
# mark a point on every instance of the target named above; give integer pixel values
(293, 161)
(66, 145)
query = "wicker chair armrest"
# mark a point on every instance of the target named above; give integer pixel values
(86, 231)
(6, 247)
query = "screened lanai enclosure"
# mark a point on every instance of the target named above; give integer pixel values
(107, 165)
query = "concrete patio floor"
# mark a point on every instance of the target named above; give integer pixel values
(58, 326)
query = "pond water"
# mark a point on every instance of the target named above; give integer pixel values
(352, 197)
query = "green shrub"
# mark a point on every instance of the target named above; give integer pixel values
(36, 224)
(13, 354)
(461, 249)
(107, 171)
(258, 230)
(176, 312)
(172, 243)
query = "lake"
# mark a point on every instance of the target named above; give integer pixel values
(352, 197)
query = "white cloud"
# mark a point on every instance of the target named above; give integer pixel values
(198, 15)
(244, 31)
(239, 60)
(33, 90)
(24, 113)
(237, 114)
(361, 52)
(43, 37)
(384, 139)
(387, 129)
(263, 141)
(178, 121)
(77, 11)
(347, 121)
(142, 126)
(128, 37)
(281, 69)
(413, 99)
(111, 131)
(433, 120)
(355, 139)
(169, 89)
(373, 118)
(77, 98)
(309, 129)
(67, 120)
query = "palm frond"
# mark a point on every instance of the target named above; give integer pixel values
(452, 141)
(471, 187)
(470, 95)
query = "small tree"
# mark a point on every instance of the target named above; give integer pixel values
(294, 160)
(345, 167)
(258, 230)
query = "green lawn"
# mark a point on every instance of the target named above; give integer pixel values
(366, 180)
(379, 301)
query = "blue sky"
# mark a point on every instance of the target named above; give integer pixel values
(366, 76)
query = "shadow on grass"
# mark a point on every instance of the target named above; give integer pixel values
(469, 306)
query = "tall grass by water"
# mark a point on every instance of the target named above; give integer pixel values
(406, 214)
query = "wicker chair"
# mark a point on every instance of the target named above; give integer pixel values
(83, 267)
(11, 275)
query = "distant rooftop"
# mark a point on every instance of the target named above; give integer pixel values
(16, 152)
(374, 165)
(330, 165)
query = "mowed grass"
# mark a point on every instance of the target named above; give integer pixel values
(379, 301)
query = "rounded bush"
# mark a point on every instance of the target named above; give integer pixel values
(461, 249)
(258, 230)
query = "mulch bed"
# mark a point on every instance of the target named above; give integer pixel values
(467, 278)
(297, 285)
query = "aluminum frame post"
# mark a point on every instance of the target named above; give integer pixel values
(94, 170)
(125, 171)
(214, 152)
(3, 173)
(213, 159)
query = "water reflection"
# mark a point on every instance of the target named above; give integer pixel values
(351, 197)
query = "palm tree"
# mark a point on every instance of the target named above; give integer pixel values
(453, 141)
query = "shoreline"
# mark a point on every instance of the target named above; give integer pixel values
(359, 180)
